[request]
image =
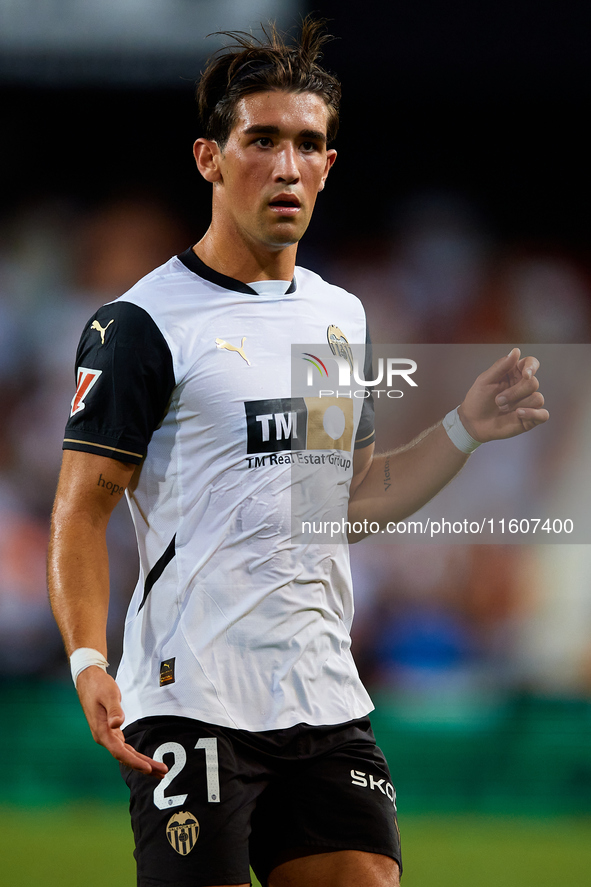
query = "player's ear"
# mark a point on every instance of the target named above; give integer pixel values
(331, 156)
(207, 157)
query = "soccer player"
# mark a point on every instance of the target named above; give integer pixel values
(238, 715)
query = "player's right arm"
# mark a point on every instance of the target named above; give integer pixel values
(78, 579)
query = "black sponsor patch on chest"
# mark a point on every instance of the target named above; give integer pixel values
(277, 424)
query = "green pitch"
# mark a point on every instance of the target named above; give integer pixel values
(92, 846)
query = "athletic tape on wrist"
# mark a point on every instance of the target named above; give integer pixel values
(458, 434)
(83, 658)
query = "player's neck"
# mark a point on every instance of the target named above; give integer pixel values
(245, 262)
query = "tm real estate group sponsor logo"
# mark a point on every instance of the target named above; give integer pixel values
(283, 428)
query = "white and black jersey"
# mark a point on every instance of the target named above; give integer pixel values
(188, 375)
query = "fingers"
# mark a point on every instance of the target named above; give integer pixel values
(524, 394)
(101, 701)
(535, 401)
(115, 717)
(490, 408)
(530, 418)
(528, 366)
(525, 385)
(502, 367)
(512, 366)
(157, 768)
(114, 742)
(129, 757)
(113, 739)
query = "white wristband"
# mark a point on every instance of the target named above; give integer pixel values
(83, 658)
(458, 434)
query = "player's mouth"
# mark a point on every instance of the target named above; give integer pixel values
(285, 205)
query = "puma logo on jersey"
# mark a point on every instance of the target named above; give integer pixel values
(221, 344)
(101, 329)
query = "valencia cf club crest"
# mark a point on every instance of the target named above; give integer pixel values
(339, 344)
(182, 832)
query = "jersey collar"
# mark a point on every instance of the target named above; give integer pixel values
(192, 261)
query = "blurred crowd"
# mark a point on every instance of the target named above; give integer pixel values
(433, 621)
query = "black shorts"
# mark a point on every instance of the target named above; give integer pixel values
(233, 798)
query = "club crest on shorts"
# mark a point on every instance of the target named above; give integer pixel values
(182, 831)
(339, 344)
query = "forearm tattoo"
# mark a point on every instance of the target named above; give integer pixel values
(387, 477)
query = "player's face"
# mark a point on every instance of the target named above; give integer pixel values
(273, 166)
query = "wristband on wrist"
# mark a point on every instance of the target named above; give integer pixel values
(83, 658)
(458, 434)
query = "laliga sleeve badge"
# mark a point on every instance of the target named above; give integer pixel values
(85, 380)
(182, 832)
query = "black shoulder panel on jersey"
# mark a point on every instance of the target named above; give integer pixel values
(124, 382)
(366, 434)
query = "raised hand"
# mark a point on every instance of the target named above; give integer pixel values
(504, 400)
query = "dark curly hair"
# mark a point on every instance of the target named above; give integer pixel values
(250, 65)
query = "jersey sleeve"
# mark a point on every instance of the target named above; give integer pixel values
(366, 434)
(124, 382)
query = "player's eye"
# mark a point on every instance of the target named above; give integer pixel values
(309, 147)
(264, 142)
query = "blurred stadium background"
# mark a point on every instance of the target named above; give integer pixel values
(459, 212)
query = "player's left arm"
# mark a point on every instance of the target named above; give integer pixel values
(503, 402)
(362, 462)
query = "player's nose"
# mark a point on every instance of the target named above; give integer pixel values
(286, 168)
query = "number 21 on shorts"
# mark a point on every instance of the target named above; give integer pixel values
(212, 774)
